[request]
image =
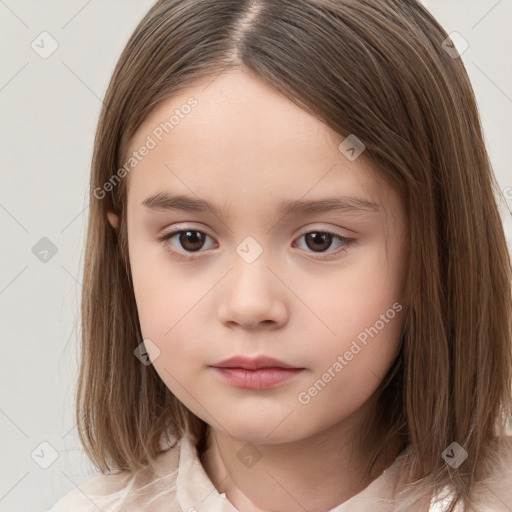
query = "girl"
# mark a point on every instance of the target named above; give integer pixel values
(297, 291)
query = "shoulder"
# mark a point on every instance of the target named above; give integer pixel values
(84, 496)
(132, 490)
(494, 493)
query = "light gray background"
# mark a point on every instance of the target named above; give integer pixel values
(49, 109)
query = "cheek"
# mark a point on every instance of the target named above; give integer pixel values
(342, 304)
(349, 368)
(164, 291)
(170, 301)
(355, 336)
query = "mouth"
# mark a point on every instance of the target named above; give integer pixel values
(253, 363)
(255, 373)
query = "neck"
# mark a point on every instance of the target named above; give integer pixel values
(280, 477)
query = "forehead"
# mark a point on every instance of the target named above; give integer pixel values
(233, 132)
(233, 112)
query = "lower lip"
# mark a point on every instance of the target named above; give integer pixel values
(263, 378)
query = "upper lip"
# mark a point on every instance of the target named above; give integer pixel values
(252, 363)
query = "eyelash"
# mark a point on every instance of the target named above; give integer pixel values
(165, 238)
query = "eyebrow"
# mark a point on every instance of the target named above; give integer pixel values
(163, 201)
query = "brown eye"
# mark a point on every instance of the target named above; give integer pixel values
(318, 241)
(184, 242)
(321, 241)
(191, 240)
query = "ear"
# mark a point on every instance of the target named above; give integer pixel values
(113, 219)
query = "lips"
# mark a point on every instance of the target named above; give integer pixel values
(255, 363)
(255, 373)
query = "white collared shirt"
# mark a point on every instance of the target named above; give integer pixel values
(187, 488)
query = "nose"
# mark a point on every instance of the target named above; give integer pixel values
(253, 297)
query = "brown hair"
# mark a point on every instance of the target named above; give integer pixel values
(373, 68)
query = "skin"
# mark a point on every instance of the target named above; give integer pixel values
(246, 148)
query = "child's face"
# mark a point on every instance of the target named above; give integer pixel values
(255, 282)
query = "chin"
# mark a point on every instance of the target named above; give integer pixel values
(261, 431)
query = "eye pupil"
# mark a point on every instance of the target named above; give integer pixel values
(196, 239)
(321, 241)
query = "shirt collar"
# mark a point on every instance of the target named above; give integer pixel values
(196, 492)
